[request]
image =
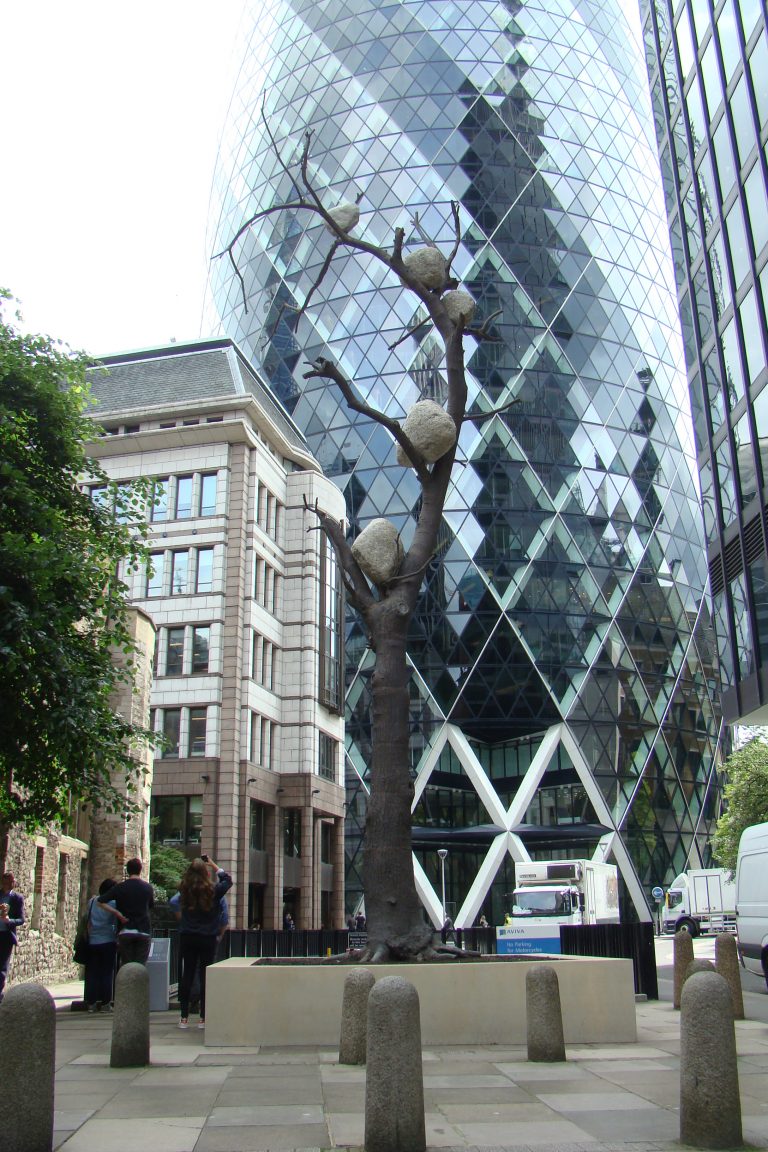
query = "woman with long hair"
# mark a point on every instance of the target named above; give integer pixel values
(198, 907)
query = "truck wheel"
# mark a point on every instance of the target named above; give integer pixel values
(688, 925)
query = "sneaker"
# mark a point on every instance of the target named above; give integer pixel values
(183, 1023)
(201, 1024)
(106, 1008)
(91, 1007)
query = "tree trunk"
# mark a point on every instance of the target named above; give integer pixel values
(396, 925)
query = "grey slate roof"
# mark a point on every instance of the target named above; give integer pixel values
(187, 374)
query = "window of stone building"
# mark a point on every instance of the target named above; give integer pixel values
(180, 573)
(174, 657)
(292, 832)
(198, 721)
(61, 893)
(171, 731)
(183, 497)
(37, 889)
(201, 643)
(328, 755)
(258, 826)
(208, 494)
(176, 820)
(204, 577)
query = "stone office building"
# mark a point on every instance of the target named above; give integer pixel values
(247, 693)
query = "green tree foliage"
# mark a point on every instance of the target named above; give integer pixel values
(167, 867)
(746, 800)
(62, 606)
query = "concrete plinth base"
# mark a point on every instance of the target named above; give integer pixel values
(249, 1003)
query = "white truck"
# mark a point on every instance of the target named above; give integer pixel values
(700, 900)
(555, 892)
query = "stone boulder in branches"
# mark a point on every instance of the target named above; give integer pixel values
(427, 265)
(460, 306)
(345, 216)
(430, 429)
(379, 550)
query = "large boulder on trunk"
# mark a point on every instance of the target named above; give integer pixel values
(379, 550)
(430, 429)
(428, 265)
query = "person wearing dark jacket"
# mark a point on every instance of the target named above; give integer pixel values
(199, 909)
(11, 918)
(133, 900)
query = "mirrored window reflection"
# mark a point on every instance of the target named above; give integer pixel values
(733, 373)
(713, 379)
(753, 335)
(723, 632)
(743, 125)
(708, 501)
(708, 193)
(758, 68)
(757, 205)
(741, 625)
(758, 578)
(719, 272)
(729, 40)
(726, 168)
(711, 75)
(725, 480)
(174, 659)
(685, 47)
(737, 243)
(760, 409)
(745, 461)
(697, 117)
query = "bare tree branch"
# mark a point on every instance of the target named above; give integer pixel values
(481, 417)
(327, 370)
(355, 583)
(410, 332)
(456, 233)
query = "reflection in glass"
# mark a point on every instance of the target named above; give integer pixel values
(743, 632)
(758, 578)
(754, 335)
(745, 461)
(733, 372)
(726, 482)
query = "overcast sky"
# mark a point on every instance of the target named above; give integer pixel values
(110, 123)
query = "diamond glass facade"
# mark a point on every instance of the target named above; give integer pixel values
(562, 694)
(708, 65)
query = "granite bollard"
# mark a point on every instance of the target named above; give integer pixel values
(698, 964)
(710, 1109)
(130, 1019)
(544, 1017)
(394, 1080)
(683, 955)
(28, 1047)
(354, 1016)
(727, 964)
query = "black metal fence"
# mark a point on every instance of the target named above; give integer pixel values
(633, 942)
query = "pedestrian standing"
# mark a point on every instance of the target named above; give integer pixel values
(200, 893)
(103, 924)
(11, 918)
(133, 900)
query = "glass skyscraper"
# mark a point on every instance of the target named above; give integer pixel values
(708, 65)
(564, 673)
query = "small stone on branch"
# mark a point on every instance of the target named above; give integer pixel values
(431, 431)
(379, 550)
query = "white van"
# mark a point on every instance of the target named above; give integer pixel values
(752, 899)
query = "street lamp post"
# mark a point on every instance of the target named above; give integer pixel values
(442, 853)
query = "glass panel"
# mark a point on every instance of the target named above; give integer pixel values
(711, 76)
(200, 649)
(208, 494)
(292, 832)
(708, 501)
(741, 625)
(760, 409)
(750, 14)
(183, 497)
(708, 193)
(753, 335)
(174, 660)
(197, 726)
(719, 270)
(737, 243)
(745, 461)
(724, 646)
(258, 827)
(743, 125)
(685, 43)
(729, 40)
(757, 205)
(169, 819)
(179, 573)
(155, 574)
(758, 68)
(204, 570)
(195, 820)
(160, 500)
(696, 115)
(758, 577)
(726, 168)
(171, 728)
(727, 486)
(702, 18)
(733, 373)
